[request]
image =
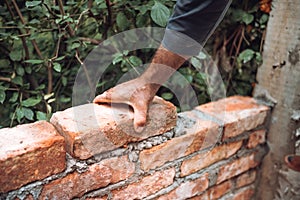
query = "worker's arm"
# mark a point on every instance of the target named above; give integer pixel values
(187, 30)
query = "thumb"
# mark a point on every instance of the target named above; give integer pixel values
(103, 98)
(140, 117)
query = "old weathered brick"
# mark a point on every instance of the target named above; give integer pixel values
(256, 138)
(208, 158)
(245, 179)
(105, 197)
(215, 192)
(29, 152)
(219, 190)
(98, 175)
(91, 129)
(236, 167)
(244, 194)
(188, 189)
(181, 146)
(27, 197)
(238, 113)
(146, 186)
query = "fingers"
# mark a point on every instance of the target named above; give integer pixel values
(103, 98)
(140, 116)
(157, 99)
(136, 94)
(140, 108)
(112, 96)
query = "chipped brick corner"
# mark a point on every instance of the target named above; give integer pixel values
(92, 152)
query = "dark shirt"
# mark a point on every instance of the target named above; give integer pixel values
(192, 23)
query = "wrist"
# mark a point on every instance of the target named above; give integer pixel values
(149, 83)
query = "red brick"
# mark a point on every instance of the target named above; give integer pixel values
(97, 198)
(178, 147)
(28, 153)
(245, 194)
(208, 138)
(98, 175)
(219, 190)
(188, 189)
(206, 159)
(216, 191)
(28, 197)
(236, 167)
(256, 138)
(146, 186)
(245, 179)
(238, 113)
(91, 129)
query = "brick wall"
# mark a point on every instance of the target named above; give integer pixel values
(92, 152)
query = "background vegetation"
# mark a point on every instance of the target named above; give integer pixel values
(43, 43)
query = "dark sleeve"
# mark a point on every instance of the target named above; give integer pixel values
(192, 23)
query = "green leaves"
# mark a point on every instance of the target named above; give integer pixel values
(41, 116)
(242, 16)
(75, 45)
(167, 95)
(29, 4)
(160, 14)
(34, 62)
(19, 114)
(31, 102)
(22, 112)
(247, 18)
(25, 109)
(14, 97)
(135, 61)
(23, 98)
(246, 55)
(264, 18)
(20, 70)
(28, 113)
(122, 21)
(16, 55)
(17, 51)
(57, 67)
(17, 80)
(2, 95)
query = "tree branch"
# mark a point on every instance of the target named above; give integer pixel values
(77, 54)
(109, 18)
(62, 12)
(9, 9)
(50, 78)
(79, 18)
(84, 69)
(27, 31)
(5, 79)
(91, 40)
(108, 5)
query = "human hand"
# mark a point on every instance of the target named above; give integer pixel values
(137, 93)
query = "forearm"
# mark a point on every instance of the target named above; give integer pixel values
(163, 65)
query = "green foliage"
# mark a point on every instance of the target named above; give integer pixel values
(41, 50)
(160, 14)
(237, 45)
(42, 47)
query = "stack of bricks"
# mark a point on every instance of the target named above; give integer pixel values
(92, 152)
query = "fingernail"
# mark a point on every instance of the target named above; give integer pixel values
(139, 129)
